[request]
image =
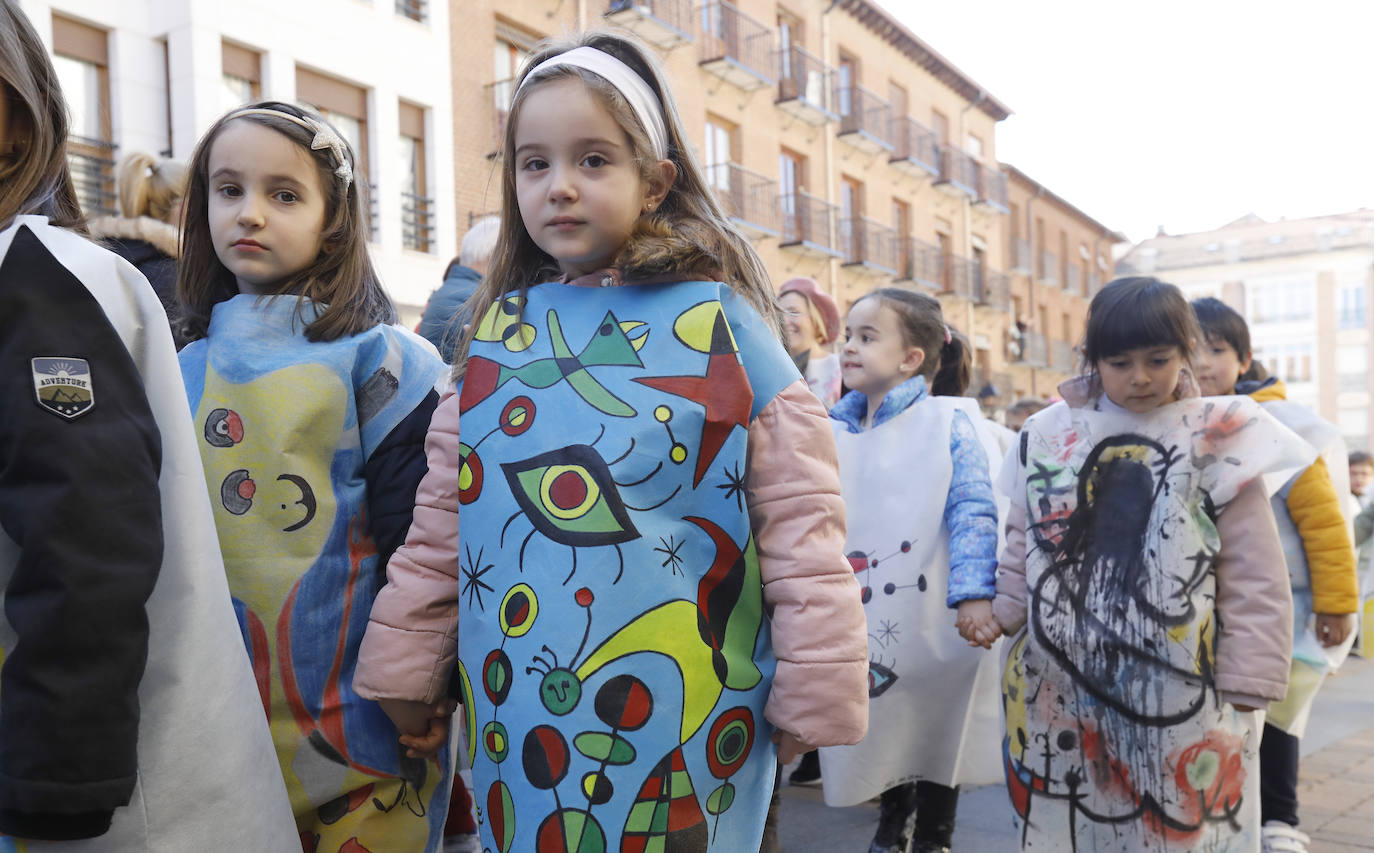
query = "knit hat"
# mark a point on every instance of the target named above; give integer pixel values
(820, 300)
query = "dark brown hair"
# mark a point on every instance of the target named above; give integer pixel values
(923, 326)
(341, 281)
(687, 233)
(34, 176)
(1137, 313)
(956, 366)
(1220, 322)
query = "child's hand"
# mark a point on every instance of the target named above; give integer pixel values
(789, 746)
(424, 728)
(1333, 628)
(976, 623)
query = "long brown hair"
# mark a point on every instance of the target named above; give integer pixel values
(688, 232)
(341, 281)
(150, 186)
(34, 177)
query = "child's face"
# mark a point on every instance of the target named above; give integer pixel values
(1218, 366)
(796, 318)
(267, 205)
(876, 358)
(1361, 474)
(578, 186)
(1140, 380)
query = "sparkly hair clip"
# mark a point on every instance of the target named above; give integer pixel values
(325, 137)
(948, 337)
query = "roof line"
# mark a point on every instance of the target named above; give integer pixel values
(878, 20)
(1015, 172)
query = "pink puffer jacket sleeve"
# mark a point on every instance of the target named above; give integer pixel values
(411, 643)
(1254, 603)
(820, 637)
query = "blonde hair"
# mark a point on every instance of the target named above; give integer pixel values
(150, 186)
(341, 281)
(688, 232)
(34, 176)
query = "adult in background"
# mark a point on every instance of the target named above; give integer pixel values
(813, 323)
(147, 231)
(445, 315)
(1022, 409)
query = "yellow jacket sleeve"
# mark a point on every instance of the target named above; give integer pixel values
(1316, 511)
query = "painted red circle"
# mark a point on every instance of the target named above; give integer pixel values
(584, 597)
(568, 490)
(517, 416)
(473, 463)
(247, 489)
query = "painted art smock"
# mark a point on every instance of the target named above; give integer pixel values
(285, 427)
(614, 653)
(919, 473)
(1117, 736)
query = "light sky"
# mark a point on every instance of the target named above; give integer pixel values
(1181, 114)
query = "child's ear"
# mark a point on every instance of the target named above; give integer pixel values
(915, 357)
(664, 174)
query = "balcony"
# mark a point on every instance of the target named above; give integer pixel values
(749, 199)
(992, 189)
(1062, 357)
(865, 119)
(914, 149)
(920, 262)
(808, 225)
(1049, 268)
(1034, 349)
(1094, 284)
(91, 162)
(1073, 280)
(961, 276)
(991, 288)
(802, 79)
(1020, 256)
(868, 246)
(417, 222)
(735, 47)
(663, 23)
(958, 172)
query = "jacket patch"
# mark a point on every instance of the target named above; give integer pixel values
(63, 386)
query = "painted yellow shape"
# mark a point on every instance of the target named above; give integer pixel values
(637, 339)
(496, 324)
(669, 630)
(1014, 698)
(694, 326)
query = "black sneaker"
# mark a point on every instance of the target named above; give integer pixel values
(896, 820)
(808, 770)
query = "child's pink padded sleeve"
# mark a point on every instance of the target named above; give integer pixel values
(820, 637)
(411, 644)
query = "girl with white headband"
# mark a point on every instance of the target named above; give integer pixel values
(310, 414)
(647, 590)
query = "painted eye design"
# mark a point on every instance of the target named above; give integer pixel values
(569, 496)
(237, 490)
(879, 679)
(223, 428)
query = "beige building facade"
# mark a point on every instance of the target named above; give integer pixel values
(1304, 287)
(848, 149)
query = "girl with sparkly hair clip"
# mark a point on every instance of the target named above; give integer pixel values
(648, 585)
(311, 410)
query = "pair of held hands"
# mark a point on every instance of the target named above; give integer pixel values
(424, 729)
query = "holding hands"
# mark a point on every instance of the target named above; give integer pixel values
(423, 727)
(976, 623)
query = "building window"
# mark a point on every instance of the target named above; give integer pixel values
(718, 153)
(81, 58)
(1352, 366)
(1281, 301)
(1353, 298)
(241, 82)
(939, 124)
(1064, 260)
(1354, 426)
(851, 208)
(416, 10)
(791, 182)
(789, 36)
(901, 225)
(846, 78)
(417, 208)
(343, 105)
(975, 147)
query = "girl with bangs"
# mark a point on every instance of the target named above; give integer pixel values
(310, 409)
(648, 587)
(1143, 584)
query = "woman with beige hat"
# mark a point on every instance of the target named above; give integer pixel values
(812, 321)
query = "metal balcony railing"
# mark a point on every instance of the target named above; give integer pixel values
(1094, 283)
(736, 47)
(1034, 349)
(1073, 280)
(920, 262)
(801, 85)
(417, 222)
(961, 276)
(91, 162)
(869, 243)
(865, 115)
(915, 145)
(416, 10)
(990, 287)
(748, 197)
(1062, 356)
(1049, 268)
(992, 187)
(807, 221)
(663, 23)
(958, 170)
(1020, 255)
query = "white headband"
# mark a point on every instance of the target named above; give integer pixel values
(325, 137)
(637, 92)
